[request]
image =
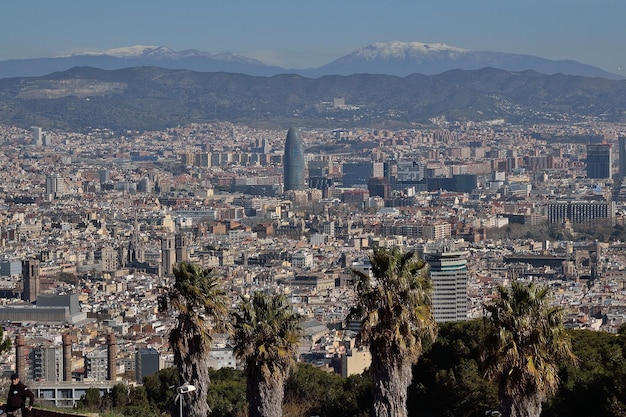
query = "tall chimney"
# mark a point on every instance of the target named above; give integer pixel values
(20, 356)
(112, 355)
(67, 357)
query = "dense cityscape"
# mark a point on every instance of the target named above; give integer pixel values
(94, 224)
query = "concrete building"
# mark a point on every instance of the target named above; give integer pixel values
(46, 363)
(599, 161)
(30, 276)
(55, 186)
(448, 272)
(359, 173)
(147, 362)
(622, 156)
(582, 212)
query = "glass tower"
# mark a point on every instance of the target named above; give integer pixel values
(294, 161)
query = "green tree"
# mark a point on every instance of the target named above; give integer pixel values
(314, 391)
(266, 336)
(394, 307)
(159, 389)
(447, 381)
(227, 392)
(202, 305)
(90, 400)
(600, 374)
(525, 342)
(5, 342)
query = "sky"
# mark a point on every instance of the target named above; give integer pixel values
(306, 33)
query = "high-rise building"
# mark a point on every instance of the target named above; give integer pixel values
(448, 272)
(622, 156)
(168, 254)
(599, 161)
(37, 136)
(104, 175)
(55, 186)
(379, 186)
(30, 276)
(180, 246)
(46, 362)
(359, 173)
(294, 161)
(147, 362)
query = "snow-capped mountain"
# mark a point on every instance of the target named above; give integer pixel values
(404, 50)
(404, 58)
(391, 58)
(138, 56)
(165, 53)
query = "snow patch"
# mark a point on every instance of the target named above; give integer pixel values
(401, 50)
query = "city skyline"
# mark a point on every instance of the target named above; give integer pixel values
(588, 32)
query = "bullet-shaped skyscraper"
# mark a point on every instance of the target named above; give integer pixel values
(294, 161)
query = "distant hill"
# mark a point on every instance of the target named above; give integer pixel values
(138, 56)
(154, 98)
(392, 58)
(405, 58)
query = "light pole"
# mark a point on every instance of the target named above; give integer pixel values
(183, 389)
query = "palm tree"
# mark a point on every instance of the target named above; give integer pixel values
(394, 307)
(266, 336)
(202, 306)
(524, 344)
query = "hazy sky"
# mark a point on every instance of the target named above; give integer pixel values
(302, 34)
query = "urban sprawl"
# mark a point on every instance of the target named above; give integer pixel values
(93, 224)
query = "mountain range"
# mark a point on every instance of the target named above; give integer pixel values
(151, 98)
(392, 58)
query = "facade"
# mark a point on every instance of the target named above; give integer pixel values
(293, 161)
(37, 136)
(147, 362)
(599, 161)
(355, 362)
(582, 212)
(30, 276)
(222, 357)
(9, 268)
(47, 363)
(168, 254)
(313, 282)
(448, 272)
(359, 173)
(410, 171)
(379, 186)
(622, 156)
(55, 186)
(107, 257)
(96, 365)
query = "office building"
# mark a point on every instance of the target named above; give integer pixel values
(379, 186)
(582, 212)
(622, 156)
(37, 136)
(294, 161)
(147, 363)
(9, 268)
(599, 161)
(448, 273)
(55, 186)
(359, 173)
